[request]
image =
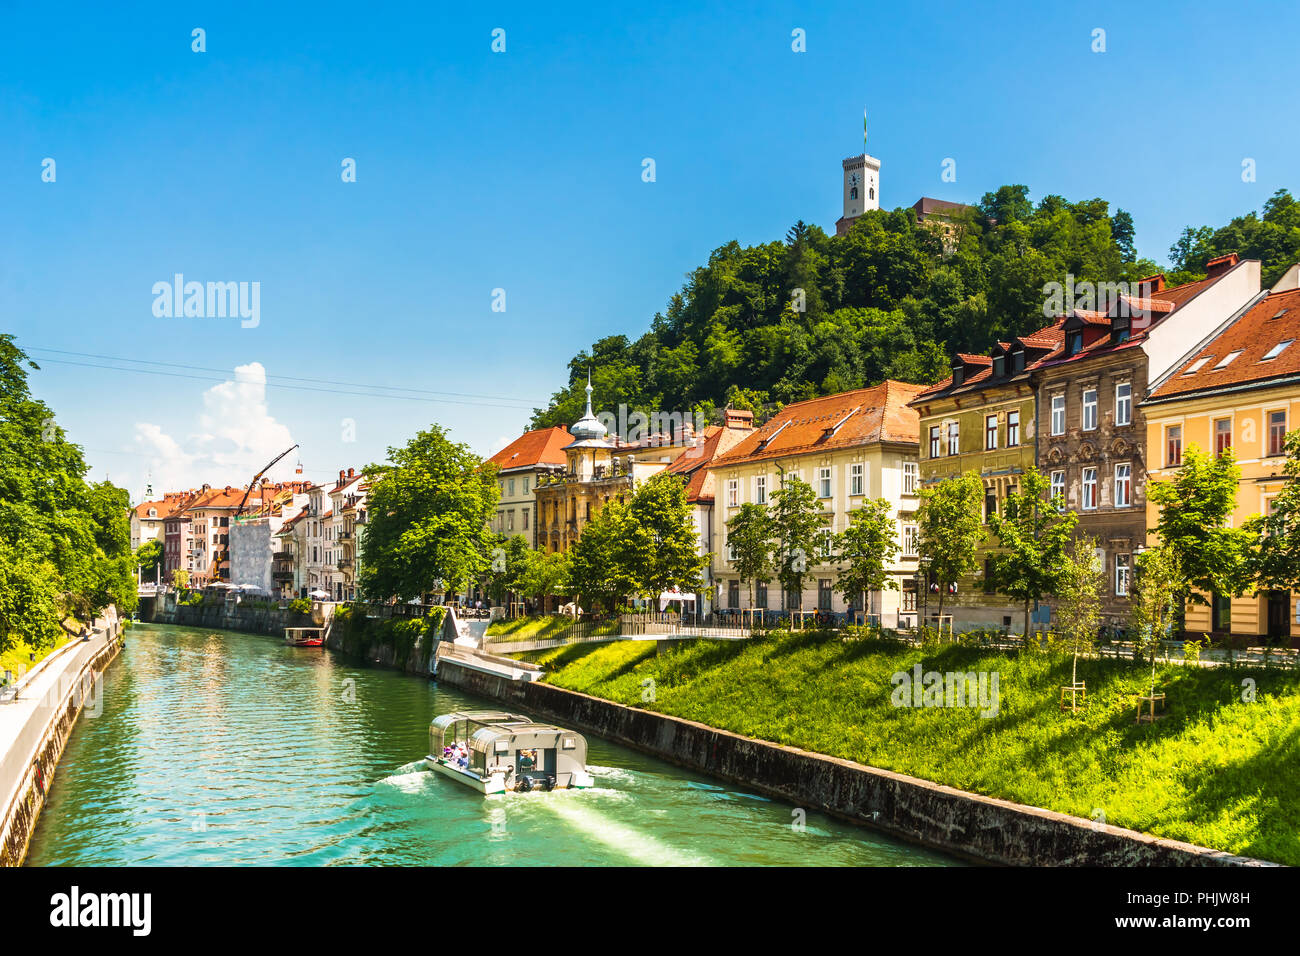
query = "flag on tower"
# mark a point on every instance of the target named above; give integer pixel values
(864, 129)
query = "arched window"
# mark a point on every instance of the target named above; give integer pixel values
(853, 192)
(871, 193)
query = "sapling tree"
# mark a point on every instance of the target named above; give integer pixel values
(949, 529)
(1158, 580)
(1033, 534)
(797, 530)
(1079, 584)
(749, 536)
(865, 549)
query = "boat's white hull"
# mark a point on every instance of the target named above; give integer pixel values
(496, 783)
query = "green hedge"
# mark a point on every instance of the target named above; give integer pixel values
(360, 635)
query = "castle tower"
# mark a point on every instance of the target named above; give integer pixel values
(861, 190)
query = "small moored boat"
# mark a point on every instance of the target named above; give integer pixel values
(304, 636)
(495, 752)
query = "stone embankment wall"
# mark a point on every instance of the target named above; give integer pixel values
(36, 726)
(943, 818)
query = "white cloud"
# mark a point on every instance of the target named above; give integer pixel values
(500, 443)
(234, 436)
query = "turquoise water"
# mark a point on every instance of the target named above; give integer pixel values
(217, 748)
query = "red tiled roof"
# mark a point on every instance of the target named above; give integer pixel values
(1046, 338)
(542, 446)
(860, 417)
(1254, 335)
(1159, 309)
(693, 462)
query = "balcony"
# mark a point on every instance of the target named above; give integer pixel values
(345, 565)
(282, 556)
(282, 574)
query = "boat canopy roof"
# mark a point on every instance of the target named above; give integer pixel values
(528, 734)
(443, 721)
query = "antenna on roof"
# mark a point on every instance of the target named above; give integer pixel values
(298, 468)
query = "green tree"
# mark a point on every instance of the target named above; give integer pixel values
(148, 557)
(1079, 584)
(1158, 580)
(798, 532)
(749, 538)
(603, 562)
(949, 529)
(545, 574)
(1277, 564)
(59, 535)
(429, 506)
(1033, 534)
(1195, 512)
(866, 549)
(664, 547)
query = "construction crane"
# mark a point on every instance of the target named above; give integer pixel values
(257, 477)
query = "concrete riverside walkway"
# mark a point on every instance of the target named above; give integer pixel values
(42, 694)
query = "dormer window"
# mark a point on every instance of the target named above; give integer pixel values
(1074, 343)
(999, 366)
(1018, 361)
(958, 374)
(1120, 329)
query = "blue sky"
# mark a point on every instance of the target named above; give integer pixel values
(522, 171)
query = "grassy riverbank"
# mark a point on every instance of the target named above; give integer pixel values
(540, 627)
(1215, 771)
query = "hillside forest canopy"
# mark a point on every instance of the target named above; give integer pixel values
(894, 298)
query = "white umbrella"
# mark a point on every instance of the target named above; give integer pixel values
(319, 594)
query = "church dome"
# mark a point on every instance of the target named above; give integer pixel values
(588, 427)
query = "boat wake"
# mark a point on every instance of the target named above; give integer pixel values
(632, 843)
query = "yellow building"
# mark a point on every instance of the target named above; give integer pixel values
(1238, 389)
(849, 447)
(598, 469)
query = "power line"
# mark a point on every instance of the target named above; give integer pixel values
(287, 378)
(300, 388)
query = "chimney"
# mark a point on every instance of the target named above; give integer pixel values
(1217, 267)
(1148, 287)
(740, 419)
(349, 472)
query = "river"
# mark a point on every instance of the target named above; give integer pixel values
(218, 748)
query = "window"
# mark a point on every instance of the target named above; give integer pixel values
(1058, 489)
(1013, 429)
(511, 485)
(954, 438)
(731, 550)
(934, 441)
(510, 520)
(733, 593)
(911, 471)
(1074, 343)
(1276, 433)
(525, 513)
(990, 505)
(823, 482)
(1173, 446)
(1121, 574)
(1227, 360)
(824, 549)
(824, 594)
(1197, 365)
(855, 478)
(1089, 409)
(990, 432)
(1276, 350)
(760, 489)
(1123, 485)
(1123, 404)
(526, 480)
(1058, 414)
(999, 366)
(760, 594)
(1222, 435)
(909, 540)
(990, 580)
(1089, 489)
(733, 492)
(1018, 361)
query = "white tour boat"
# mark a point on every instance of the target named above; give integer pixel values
(495, 752)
